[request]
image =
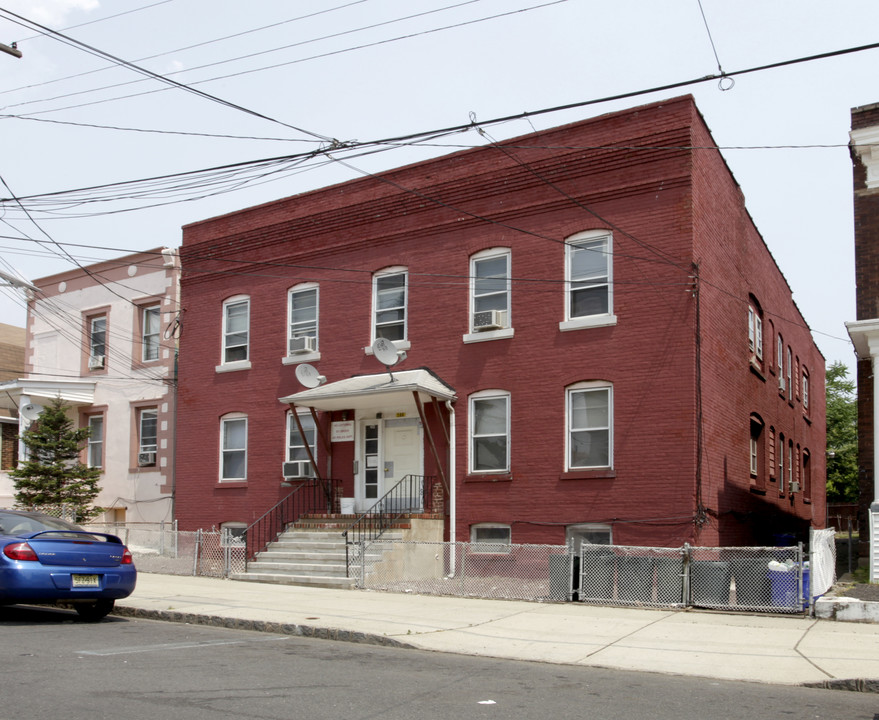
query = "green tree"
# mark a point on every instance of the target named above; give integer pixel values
(53, 479)
(842, 435)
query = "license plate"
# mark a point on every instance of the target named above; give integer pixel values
(85, 581)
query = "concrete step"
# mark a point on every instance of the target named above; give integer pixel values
(305, 580)
(318, 569)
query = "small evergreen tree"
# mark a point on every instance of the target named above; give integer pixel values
(842, 435)
(53, 479)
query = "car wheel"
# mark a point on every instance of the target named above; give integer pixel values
(94, 611)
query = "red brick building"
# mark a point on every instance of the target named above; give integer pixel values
(598, 344)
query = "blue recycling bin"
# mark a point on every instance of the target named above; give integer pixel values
(785, 590)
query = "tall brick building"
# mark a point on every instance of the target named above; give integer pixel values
(598, 344)
(865, 330)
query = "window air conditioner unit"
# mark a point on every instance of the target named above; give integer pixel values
(794, 487)
(780, 382)
(489, 320)
(302, 344)
(146, 458)
(96, 362)
(297, 469)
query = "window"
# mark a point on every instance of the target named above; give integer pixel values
(147, 434)
(97, 331)
(490, 290)
(233, 448)
(236, 329)
(790, 387)
(95, 449)
(771, 444)
(588, 275)
(807, 475)
(588, 533)
(233, 534)
(298, 463)
(490, 538)
(780, 462)
(805, 389)
(490, 432)
(389, 305)
(779, 362)
(150, 328)
(758, 478)
(790, 463)
(755, 331)
(302, 311)
(590, 426)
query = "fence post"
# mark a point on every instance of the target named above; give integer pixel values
(685, 551)
(362, 583)
(162, 538)
(197, 550)
(800, 573)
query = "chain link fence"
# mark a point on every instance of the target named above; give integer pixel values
(160, 548)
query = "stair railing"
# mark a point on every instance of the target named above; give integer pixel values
(309, 497)
(409, 496)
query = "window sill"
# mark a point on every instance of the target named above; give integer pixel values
(475, 337)
(134, 469)
(488, 477)
(399, 344)
(758, 490)
(233, 366)
(597, 474)
(229, 484)
(756, 369)
(588, 322)
(297, 359)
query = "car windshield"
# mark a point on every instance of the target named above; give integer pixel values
(21, 524)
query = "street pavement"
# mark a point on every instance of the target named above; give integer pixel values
(776, 649)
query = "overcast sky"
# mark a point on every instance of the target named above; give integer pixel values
(294, 75)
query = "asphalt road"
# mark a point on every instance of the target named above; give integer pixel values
(54, 665)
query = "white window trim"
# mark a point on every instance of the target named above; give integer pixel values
(395, 270)
(157, 307)
(579, 387)
(144, 448)
(507, 330)
(490, 548)
(805, 374)
(92, 320)
(92, 443)
(223, 420)
(289, 359)
(755, 332)
(471, 421)
(572, 530)
(227, 539)
(229, 366)
(289, 427)
(588, 321)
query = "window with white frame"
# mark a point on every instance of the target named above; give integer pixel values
(302, 316)
(298, 463)
(779, 362)
(757, 453)
(233, 447)
(790, 463)
(490, 431)
(790, 386)
(755, 331)
(233, 534)
(588, 270)
(590, 426)
(390, 291)
(236, 329)
(97, 339)
(490, 290)
(780, 462)
(151, 332)
(147, 436)
(490, 538)
(805, 389)
(95, 451)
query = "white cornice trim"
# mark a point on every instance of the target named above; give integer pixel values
(866, 144)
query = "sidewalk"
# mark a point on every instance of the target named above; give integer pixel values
(789, 650)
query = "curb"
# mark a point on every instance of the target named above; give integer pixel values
(853, 685)
(293, 629)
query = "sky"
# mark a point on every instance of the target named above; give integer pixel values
(229, 83)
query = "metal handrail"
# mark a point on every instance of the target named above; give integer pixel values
(406, 497)
(309, 497)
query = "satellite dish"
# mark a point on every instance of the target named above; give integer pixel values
(386, 352)
(309, 376)
(31, 411)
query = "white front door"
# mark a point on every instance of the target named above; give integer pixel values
(389, 451)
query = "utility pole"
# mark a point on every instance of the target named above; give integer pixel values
(11, 49)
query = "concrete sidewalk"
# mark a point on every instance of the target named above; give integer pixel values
(789, 650)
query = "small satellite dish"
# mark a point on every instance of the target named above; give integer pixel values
(309, 376)
(31, 411)
(386, 352)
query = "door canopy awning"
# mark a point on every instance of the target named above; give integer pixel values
(73, 392)
(364, 392)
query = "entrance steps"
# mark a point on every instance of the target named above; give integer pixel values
(311, 552)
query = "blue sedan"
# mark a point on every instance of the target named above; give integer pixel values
(45, 560)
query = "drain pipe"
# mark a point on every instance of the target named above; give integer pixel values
(453, 484)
